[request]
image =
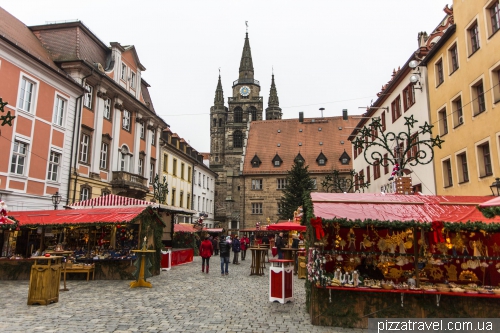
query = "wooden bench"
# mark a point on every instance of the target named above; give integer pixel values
(79, 269)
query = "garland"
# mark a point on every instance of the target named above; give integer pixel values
(490, 212)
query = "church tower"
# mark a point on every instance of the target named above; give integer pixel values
(273, 110)
(229, 127)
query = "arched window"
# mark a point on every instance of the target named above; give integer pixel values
(237, 139)
(215, 123)
(220, 122)
(253, 111)
(125, 158)
(238, 115)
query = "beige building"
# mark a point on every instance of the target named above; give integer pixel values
(464, 95)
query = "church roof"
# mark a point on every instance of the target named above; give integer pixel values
(289, 137)
(246, 64)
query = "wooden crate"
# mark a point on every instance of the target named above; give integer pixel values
(44, 280)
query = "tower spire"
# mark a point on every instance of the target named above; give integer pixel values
(273, 110)
(246, 64)
(219, 94)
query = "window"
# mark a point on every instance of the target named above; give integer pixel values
(199, 202)
(314, 183)
(256, 184)
(447, 175)
(256, 208)
(87, 100)
(282, 183)
(279, 208)
(203, 181)
(237, 139)
(453, 55)
(107, 109)
(104, 156)
(484, 159)
(182, 170)
(376, 169)
(188, 201)
(199, 178)
(85, 148)
(165, 163)
(153, 137)
(408, 96)
(141, 129)
(473, 32)
(124, 72)
(495, 74)
(396, 109)
(413, 144)
(105, 192)
(253, 113)
(132, 81)
(54, 163)
(173, 198)
(174, 167)
(26, 96)
(151, 172)
(238, 115)
(439, 72)
(458, 114)
(85, 193)
(463, 170)
(386, 167)
(494, 12)
(181, 199)
(189, 174)
(382, 117)
(59, 107)
(141, 167)
(124, 159)
(220, 122)
(443, 122)
(368, 174)
(126, 120)
(479, 104)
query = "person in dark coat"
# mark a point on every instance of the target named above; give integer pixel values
(225, 251)
(280, 245)
(215, 244)
(265, 240)
(206, 251)
(236, 249)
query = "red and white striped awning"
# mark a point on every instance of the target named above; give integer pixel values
(111, 200)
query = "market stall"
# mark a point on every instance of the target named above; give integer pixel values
(400, 256)
(100, 236)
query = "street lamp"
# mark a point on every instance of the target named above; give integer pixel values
(56, 199)
(495, 187)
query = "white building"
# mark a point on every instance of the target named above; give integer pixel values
(204, 192)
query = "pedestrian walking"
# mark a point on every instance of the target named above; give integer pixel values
(215, 244)
(225, 250)
(280, 245)
(236, 249)
(295, 245)
(244, 245)
(206, 251)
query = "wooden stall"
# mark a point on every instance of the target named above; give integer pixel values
(401, 256)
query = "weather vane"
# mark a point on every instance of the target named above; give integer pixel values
(246, 23)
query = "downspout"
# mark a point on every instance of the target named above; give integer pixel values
(79, 106)
(78, 137)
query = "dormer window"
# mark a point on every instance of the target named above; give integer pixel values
(256, 162)
(277, 161)
(299, 158)
(321, 159)
(344, 158)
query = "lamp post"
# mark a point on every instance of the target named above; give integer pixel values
(495, 187)
(56, 199)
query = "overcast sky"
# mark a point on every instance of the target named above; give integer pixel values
(335, 54)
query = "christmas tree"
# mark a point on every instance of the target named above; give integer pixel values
(299, 185)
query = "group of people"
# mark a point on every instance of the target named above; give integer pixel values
(223, 248)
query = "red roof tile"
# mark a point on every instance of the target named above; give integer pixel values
(289, 137)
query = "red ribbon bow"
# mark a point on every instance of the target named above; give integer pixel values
(317, 224)
(437, 227)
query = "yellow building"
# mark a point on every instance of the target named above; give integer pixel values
(464, 99)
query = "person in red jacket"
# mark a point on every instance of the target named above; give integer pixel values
(206, 251)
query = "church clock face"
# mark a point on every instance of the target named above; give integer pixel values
(244, 91)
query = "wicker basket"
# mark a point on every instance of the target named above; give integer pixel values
(387, 286)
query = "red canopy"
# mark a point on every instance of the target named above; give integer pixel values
(491, 203)
(184, 227)
(286, 226)
(80, 216)
(395, 207)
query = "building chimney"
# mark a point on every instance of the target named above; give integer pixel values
(301, 116)
(344, 114)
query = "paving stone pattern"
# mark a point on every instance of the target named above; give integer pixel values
(181, 300)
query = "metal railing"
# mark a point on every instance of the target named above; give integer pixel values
(250, 81)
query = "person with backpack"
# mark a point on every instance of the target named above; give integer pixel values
(224, 250)
(206, 251)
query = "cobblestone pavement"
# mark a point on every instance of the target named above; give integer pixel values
(181, 300)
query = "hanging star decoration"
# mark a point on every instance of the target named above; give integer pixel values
(376, 123)
(7, 119)
(426, 128)
(358, 143)
(410, 121)
(436, 142)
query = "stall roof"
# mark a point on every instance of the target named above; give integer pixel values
(112, 200)
(78, 217)
(285, 226)
(394, 207)
(491, 203)
(214, 230)
(184, 227)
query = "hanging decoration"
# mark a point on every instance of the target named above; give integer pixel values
(317, 224)
(337, 182)
(8, 118)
